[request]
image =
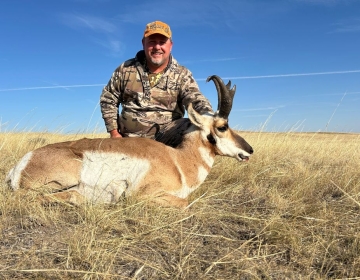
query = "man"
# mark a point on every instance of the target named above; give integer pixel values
(153, 90)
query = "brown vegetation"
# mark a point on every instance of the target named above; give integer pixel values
(291, 212)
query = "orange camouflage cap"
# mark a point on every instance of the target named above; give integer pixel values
(157, 27)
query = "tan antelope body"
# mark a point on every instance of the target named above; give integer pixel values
(103, 170)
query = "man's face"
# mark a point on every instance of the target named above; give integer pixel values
(157, 49)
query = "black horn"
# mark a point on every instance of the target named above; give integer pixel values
(225, 95)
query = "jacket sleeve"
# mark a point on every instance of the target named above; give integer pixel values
(190, 93)
(110, 100)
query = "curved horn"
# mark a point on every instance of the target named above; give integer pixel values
(225, 95)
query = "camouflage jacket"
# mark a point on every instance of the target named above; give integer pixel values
(146, 108)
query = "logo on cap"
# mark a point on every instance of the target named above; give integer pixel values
(157, 27)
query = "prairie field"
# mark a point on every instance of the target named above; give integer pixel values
(291, 212)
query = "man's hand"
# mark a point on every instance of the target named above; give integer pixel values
(115, 134)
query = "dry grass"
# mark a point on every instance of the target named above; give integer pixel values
(291, 212)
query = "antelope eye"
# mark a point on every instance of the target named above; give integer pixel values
(222, 128)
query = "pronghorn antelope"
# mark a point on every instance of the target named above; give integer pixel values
(102, 170)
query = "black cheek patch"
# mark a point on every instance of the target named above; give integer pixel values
(211, 139)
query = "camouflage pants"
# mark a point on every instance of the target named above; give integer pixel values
(170, 134)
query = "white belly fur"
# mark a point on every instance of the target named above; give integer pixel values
(106, 176)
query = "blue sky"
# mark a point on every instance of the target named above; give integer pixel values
(296, 63)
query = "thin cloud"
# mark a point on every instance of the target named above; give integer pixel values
(348, 26)
(201, 79)
(331, 94)
(88, 22)
(287, 75)
(255, 116)
(260, 109)
(114, 46)
(51, 87)
(216, 15)
(101, 27)
(56, 85)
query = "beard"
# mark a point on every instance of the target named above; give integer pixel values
(157, 61)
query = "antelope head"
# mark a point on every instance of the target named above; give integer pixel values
(215, 128)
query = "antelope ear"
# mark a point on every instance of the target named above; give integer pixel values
(195, 117)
